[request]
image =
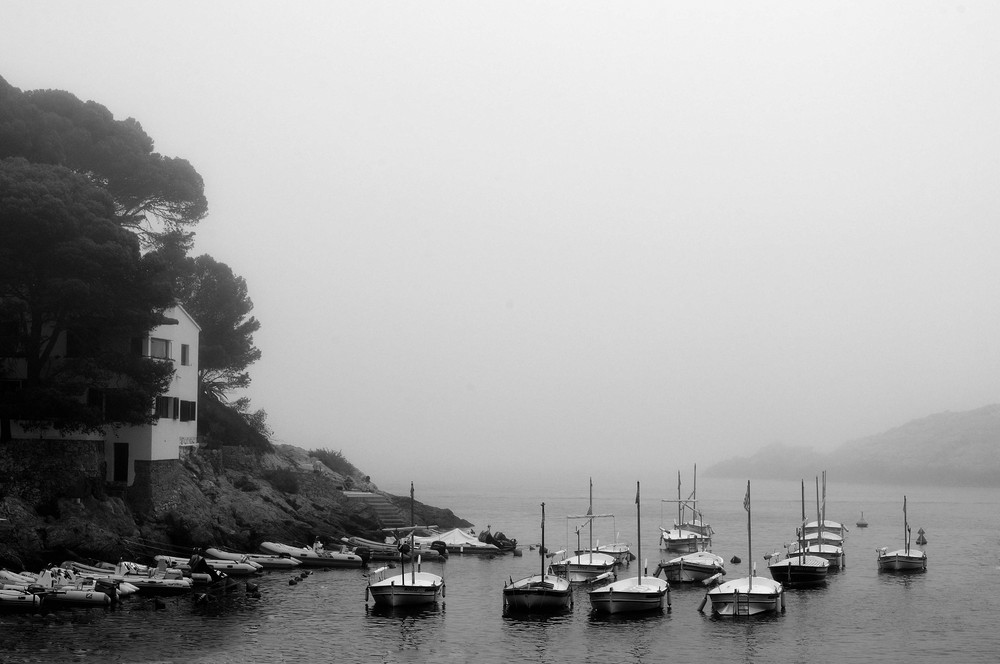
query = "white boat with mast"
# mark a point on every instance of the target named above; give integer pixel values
(690, 532)
(637, 593)
(589, 567)
(907, 559)
(620, 550)
(539, 592)
(800, 569)
(698, 567)
(749, 595)
(413, 588)
(815, 542)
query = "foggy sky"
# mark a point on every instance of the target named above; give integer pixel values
(617, 237)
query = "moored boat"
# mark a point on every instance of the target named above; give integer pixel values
(589, 567)
(749, 595)
(690, 532)
(637, 593)
(413, 588)
(907, 559)
(697, 567)
(539, 592)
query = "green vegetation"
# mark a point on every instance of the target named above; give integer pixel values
(336, 462)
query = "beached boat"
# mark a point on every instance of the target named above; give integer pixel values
(314, 556)
(413, 588)
(697, 567)
(907, 559)
(266, 561)
(637, 593)
(749, 595)
(230, 567)
(690, 532)
(538, 592)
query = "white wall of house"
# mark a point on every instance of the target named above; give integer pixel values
(176, 343)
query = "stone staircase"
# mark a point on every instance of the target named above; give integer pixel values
(388, 515)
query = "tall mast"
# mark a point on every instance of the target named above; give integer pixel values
(543, 542)
(413, 522)
(590, 510)
(746, 504)
(638, 530)
(906, 530)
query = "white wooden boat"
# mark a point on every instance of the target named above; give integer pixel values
(637, 593)
(413, 588)
(749, 595)
(696, 567)
(539, 592)
(690, 532)
(591, 566)
(314, 556)
(266, 561)
(907, 559)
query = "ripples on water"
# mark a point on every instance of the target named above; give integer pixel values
(948, 613)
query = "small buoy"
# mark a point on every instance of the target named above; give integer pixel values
(292, 582)
(517, 553)
(735, 560)
(159, 604)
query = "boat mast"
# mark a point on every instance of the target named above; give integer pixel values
(543, 542)
(590, 511)
(906, 530)
(802, 530)
(680, 505)
(746, 504)
(638, 531)
(413, 521)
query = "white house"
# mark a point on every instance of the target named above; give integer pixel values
(176, 425)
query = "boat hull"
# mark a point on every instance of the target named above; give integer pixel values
(741, 598)
(585, 568)
(809, 571)
(900, 561)
(684, 541)
(407, 589)
(692, 568)
(630, 596)
(537, 594)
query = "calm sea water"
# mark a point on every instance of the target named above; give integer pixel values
(948, 613)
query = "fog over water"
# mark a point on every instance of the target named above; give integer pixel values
(487, 239)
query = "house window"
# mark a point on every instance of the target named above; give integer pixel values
(159, 348)
(185, 355)
(163, 405)
(188, 411)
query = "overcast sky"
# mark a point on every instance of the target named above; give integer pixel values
(621, 237)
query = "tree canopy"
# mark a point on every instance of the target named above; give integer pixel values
(55, 127)
(68, 269)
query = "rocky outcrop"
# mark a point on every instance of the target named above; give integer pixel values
(230, 497)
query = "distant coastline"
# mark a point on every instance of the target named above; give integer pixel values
(944, 449)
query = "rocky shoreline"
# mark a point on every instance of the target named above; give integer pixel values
(229, 497)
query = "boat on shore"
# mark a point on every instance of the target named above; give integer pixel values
(540, 592)
(638, 593)
(907, 559)
(265, 560)
(314, 556)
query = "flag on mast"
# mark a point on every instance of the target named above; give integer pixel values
(746, 499)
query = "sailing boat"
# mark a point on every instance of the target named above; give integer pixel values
(861, 522)
(800, 569)
(411, 588)
(539, 592)
(690, 533)
(589, 566)
(749, 595)
(637, 593)
(823, 538)
(906, 559)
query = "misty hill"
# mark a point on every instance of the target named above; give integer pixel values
(947, 449)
